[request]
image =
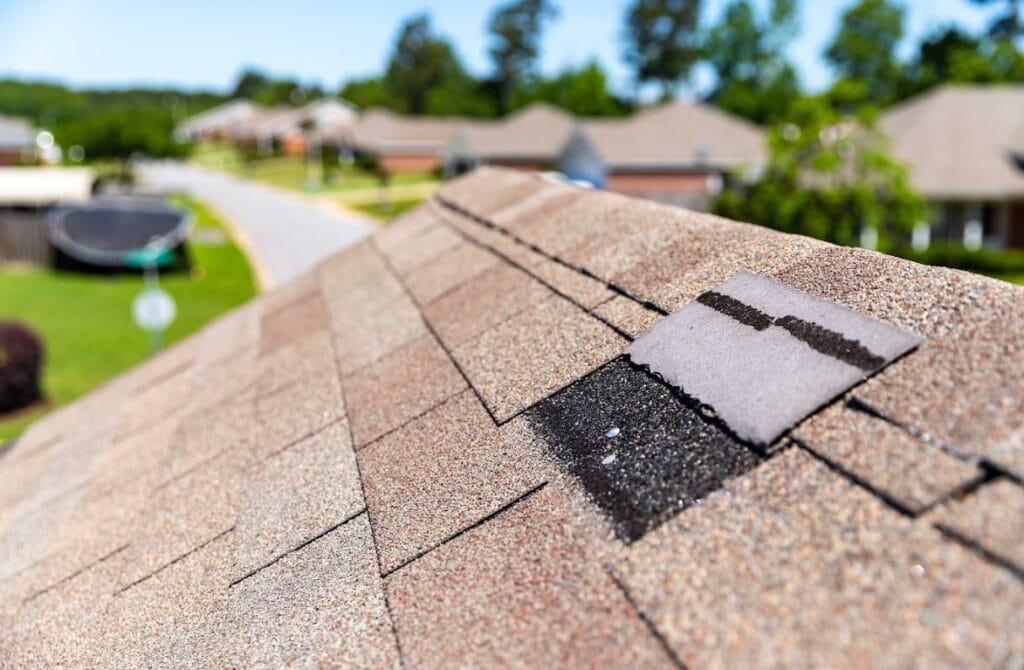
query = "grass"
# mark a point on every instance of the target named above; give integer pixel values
(389, 211)
(85, 320)
(290, 172)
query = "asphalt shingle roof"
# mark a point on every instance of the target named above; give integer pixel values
(976, 160)
(433, 450)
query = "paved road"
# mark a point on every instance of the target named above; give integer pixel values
(287, 233)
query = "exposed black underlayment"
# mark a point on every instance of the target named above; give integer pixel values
(819, 338)
(638, 449)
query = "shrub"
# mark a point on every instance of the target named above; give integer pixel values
(953, 255)
(21, 358)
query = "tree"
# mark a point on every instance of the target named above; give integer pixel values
(829, 176)
(753, 78)
(1009, 24)
(662, 41)
(581, 91)
(421, 61)
(952, 55)
(516, 29)
(123, 132)
(863, 51)
(249, 84)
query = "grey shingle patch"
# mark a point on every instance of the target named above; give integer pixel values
(764, 355)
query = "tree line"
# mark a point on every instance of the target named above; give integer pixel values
(665, 42)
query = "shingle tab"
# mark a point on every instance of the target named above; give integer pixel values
(764, 355)
(912, 474)
(792, 566)
(439, 475)
(467, 603)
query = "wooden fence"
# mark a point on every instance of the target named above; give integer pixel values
(23, 237)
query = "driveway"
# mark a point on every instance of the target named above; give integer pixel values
(284, 234)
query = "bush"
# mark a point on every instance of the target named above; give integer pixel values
(953, 255)
(21, 358)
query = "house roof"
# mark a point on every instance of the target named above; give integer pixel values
(16, 133)
(977, 127)
(433, 450)
(380, 130)
(221, 118)
(676, 134)
(535, 133)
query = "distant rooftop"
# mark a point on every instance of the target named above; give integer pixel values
(959, 140)
(485, 437)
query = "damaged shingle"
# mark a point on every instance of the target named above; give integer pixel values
(764, 355)
(640, 451)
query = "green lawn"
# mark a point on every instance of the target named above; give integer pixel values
(290, 172)
(390, 211)
(85, 320)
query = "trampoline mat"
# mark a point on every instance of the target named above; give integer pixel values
(118, 230)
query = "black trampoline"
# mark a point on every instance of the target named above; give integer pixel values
(118, 235)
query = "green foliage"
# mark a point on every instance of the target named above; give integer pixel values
(828, 177)
(864, 49)
(582, 91)
(954, 255)
(265, 90)
(368, 92)
(49, 104)
(952, 55)
(746, 52)
(420, 62)
(516, 29)
(21, 358)
(662, 41)
(1008, 25)
(122, 132)
(86, 320)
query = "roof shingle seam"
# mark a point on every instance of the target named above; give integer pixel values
(432, 331)
(76, 573)
(298, 547)
(408, 421)
(476, 524)
(639, 611)
(456, 208)
(979, 550)
(362, 491)
(173, 561)
(877, 492)
(858, 404)
(519, 266)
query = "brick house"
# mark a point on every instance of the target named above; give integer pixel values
(964, 147)
(677, 153)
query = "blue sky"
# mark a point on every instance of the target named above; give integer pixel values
(205, 43)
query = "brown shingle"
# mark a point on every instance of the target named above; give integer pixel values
(450, 270)
(438, 475)
(627, 315)
(544, 348)
(399, 387)
(296, 495)
(295, 412)
(519, 591)
(992, 517)
(320, 606)
(792, 566)
(179, 518)
(483, 302)
(913, 474)
(290, 321)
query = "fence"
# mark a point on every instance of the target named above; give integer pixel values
(23, 237)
